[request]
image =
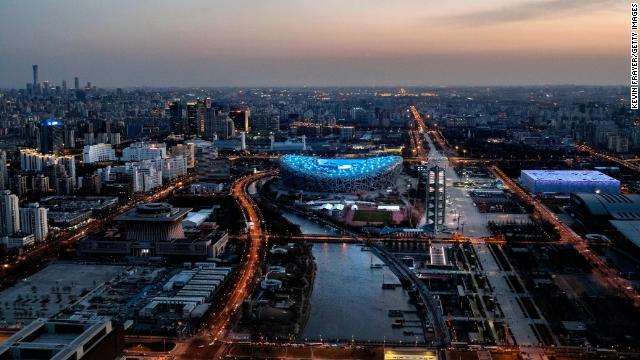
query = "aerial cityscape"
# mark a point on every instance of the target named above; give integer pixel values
(359, 206)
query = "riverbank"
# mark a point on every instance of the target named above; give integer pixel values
(279, 307)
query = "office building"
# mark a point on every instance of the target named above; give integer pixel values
(192, 118)
(240, 118)
(51, 136)
(205, 113)
(98, 153)
(35, 76)
(4, 174)
(288, 145)
(265, 123)
(174, 167)
(188, 151)
(34, 220)
(9, 213)
(176, 124)
(144, 151)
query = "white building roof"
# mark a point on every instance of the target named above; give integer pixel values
(567, 175)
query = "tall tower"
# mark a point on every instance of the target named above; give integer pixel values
(35, 75)
(435, 201)
(76, 83)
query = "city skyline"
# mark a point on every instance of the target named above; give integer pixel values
(284, 43)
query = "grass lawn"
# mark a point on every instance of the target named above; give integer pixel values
(373, 216)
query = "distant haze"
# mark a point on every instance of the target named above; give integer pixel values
(315, 43)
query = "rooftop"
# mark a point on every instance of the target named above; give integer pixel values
(156, 212)
(568, 175)
(629, 229)
(339, 168)
(58, 339)
(617, 206)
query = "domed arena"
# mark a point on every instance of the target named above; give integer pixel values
(339, 175)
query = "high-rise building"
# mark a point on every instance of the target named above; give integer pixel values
(176, 124)
(98, 153)
(205, 113)
(240, 119)
(9, 213)
(187, 151)
(265, 123)
(4, 174)
(51, 136)
(19, 185)
(435, 201)
(33, 220)
(40, 184)
(76, 83)
(144, 151)
(217, 123)
(35, 75)
(192, 119)
(174, 167)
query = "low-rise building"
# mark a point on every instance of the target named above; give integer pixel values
(95, 339)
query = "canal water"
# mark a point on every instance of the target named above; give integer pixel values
(347, 299)
(308, 227)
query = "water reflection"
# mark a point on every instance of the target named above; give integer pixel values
(348, 300)
(306, 226)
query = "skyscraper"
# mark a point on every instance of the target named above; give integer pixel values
(33, 220)
(35, 75)
(175, 117)
(51, 136)
(240, 119)
(76, 83)
(192, 119)
(205, 113)
(9, 213)
(4, 175)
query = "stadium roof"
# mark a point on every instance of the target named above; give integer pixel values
(629, 229)
(339, 168)
(568, 175)
(617, 206)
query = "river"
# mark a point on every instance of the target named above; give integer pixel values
(347, 299)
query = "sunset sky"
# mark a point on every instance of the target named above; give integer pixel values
(323, 42)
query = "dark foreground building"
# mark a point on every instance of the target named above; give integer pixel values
(96, 339)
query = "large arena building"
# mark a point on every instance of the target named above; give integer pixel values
(568, 181)
(339, 175)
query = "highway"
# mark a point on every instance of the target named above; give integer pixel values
(219, 322)
(625, 163)
(607, 274)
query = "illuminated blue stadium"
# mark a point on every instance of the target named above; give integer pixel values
(339, 175)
